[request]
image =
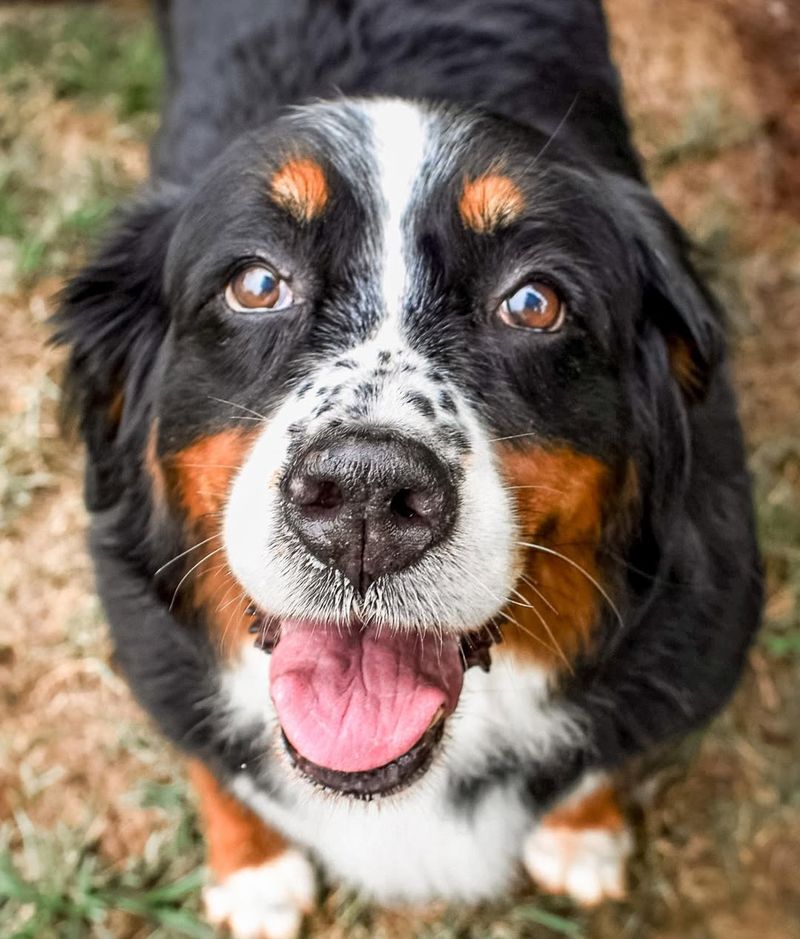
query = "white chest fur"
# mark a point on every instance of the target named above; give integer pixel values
(413, 850)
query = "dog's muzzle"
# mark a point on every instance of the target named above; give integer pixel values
(368, 503)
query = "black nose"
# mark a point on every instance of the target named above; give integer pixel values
(369, 505)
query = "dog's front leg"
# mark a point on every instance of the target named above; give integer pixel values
(582, 846)
(262, 887)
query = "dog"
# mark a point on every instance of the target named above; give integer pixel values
(419, 498)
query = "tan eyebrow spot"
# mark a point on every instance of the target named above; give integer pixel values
(301, 188)
(490, 201)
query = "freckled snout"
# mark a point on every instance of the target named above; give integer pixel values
(369, 504)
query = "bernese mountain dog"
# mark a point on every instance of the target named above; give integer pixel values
(419, 499)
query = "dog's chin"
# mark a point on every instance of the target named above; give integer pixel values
(362, 711)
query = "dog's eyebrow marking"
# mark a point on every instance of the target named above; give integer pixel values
(490, 201)
(301, 188)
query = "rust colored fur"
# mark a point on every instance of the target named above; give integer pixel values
(202, 473)
(490, 201)
(200, 477)
(235, 837)
(684, 367)
(559, 495)
(301, 188)
(599, 809)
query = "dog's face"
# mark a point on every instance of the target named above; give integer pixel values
(397, 400)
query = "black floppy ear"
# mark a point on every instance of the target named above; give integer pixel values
(675, 299)
(113, 318)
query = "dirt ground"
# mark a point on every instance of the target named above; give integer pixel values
(713, 87)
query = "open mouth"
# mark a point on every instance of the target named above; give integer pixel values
(362, 709)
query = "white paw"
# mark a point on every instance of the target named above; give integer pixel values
(264, 902)
(587, 864)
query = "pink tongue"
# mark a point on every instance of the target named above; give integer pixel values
(353, 700)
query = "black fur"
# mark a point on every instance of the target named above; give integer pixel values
(234, 67)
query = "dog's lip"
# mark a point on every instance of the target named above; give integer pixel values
(375, 783)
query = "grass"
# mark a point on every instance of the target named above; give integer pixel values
(47, 233)
(89, 54)
(90, 61)
(59, 886)
(24, 466)
(67, 75)
(708, 129)
(94, 71)
(776, 466)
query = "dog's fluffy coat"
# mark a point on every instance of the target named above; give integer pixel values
(626, 416)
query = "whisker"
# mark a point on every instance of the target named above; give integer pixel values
(555, 133)
(225, 602)
(523, 601)
(233, 404)
(232, 616)
(246, 417)
(533, 433)
(528, 632)
(550, 633)
(503, 603)
(559, 492)
(191, 569)
(184, 553)
(586, 574)
(539, 593)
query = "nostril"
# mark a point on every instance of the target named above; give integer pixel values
(330, 495)
(421, 505)
(308, 493)
(402, 504)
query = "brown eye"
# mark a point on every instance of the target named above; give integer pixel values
(534, 306)
(257, 288)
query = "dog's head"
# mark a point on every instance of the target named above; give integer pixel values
(391, 383)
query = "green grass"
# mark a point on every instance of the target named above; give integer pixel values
(708, 129)
(46, 229)
(350, 915)
(94, 55)
(776, 466)
(56, 885)
(104, 63)
(75, 900)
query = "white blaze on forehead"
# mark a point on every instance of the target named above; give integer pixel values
(399, 139)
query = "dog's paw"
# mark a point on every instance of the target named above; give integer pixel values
(264, 902)
(586, 864)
